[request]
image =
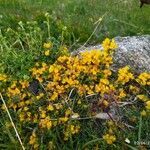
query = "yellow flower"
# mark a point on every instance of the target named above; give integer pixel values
(45, 123)
(105, 102)
(58, 106)
(14, 84)
(50, 107)
(106, 43)
(124, 75)
(110, 139)
(47, 53)
(110, 131)
(104, 81)
(75, 115)
(44, 64)
(49, 124)
(37, 64)
(110, 123)
(63, 119)
(142, 97)
(77, 129)
(66, 135)
(134, 89)
(43, 114)
(3, 77)
(79, 102)
(122, 93)
(68, 112)
(144, 78)
(48, 45)
(39, 79)
(148, 105)
(24, 84)
(143, 113)
(64, 50)
(35, 118)
(113, 44)
(21, 104)
(107, 73)
(51, 145)
(14, 91)
(72, 129)
(32, 139)
(40, 96)
(22, 117)
(51, 69)
(109, 44)
(54, 96)
(26, 108)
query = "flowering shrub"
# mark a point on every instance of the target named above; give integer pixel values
(55, 98)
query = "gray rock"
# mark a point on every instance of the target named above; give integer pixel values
(133, 51)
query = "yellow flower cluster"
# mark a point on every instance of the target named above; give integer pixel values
(3, 78)
(124, 75)
(143, 113)
(110, 139)
(45, 123)
(63, 86)
(148, 105)
(122, 93)
(109, 44)
(34, 141)
(13, 90)
(64, 50)
(134, 89)
(39, 70)
(69, 72)
(142, 97)
(47, 46)
(146, 101)
(71, 130)
(144, 78)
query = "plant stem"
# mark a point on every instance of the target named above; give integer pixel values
(12, 122)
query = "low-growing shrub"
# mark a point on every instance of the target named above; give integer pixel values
(56, 103)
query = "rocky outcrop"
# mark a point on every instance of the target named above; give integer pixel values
(133, 51)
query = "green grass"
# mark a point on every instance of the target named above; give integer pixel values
(71, 23)
(122, 18)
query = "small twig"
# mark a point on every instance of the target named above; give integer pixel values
(12, 122)
(43, 87)
(68, 99)
(127, 103)
(105, 116)
(91, 95)
(127, 125)
(74, 43)
(98, 116)
(110, 117)
(70, 93)
(84, 118)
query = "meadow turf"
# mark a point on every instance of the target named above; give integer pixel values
(121, 17)
(24, 27)
(71, 21)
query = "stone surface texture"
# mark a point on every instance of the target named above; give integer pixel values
(133, 51)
